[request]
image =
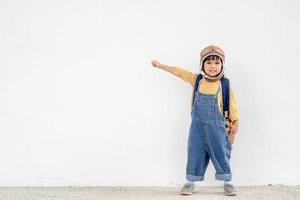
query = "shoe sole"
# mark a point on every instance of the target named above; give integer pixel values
(185, 193)
(230, 194)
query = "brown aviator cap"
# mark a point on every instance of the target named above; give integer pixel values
(212, 50)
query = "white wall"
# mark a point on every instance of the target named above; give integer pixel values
(81, 105)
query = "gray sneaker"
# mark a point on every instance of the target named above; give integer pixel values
(187, 189)
(229, 190)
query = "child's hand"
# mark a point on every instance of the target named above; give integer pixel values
(155, 63)
(233, 130)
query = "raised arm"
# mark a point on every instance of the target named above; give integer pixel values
(185, 75)
(166, 68)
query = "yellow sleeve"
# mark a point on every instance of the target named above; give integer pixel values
(233, 109)
(185, 75)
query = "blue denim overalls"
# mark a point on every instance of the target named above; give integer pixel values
(208, 139)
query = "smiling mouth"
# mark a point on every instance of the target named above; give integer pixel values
(213, 71)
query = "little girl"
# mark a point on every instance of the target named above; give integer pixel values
(208, 137)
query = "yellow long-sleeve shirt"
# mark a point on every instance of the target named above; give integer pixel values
(209, 87)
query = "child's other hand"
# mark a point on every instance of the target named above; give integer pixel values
(233, 130)
(155, 63)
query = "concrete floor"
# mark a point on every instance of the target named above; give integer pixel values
(144, 193)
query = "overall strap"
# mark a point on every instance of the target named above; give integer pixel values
(225, 95)
(198, 78)
(217, 93)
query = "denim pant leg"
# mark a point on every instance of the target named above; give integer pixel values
(219, 149)
(198, 157)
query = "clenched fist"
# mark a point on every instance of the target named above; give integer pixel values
(155, 63)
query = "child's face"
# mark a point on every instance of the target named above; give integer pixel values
(212, 67)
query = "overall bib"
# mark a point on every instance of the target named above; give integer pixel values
(208, 139)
